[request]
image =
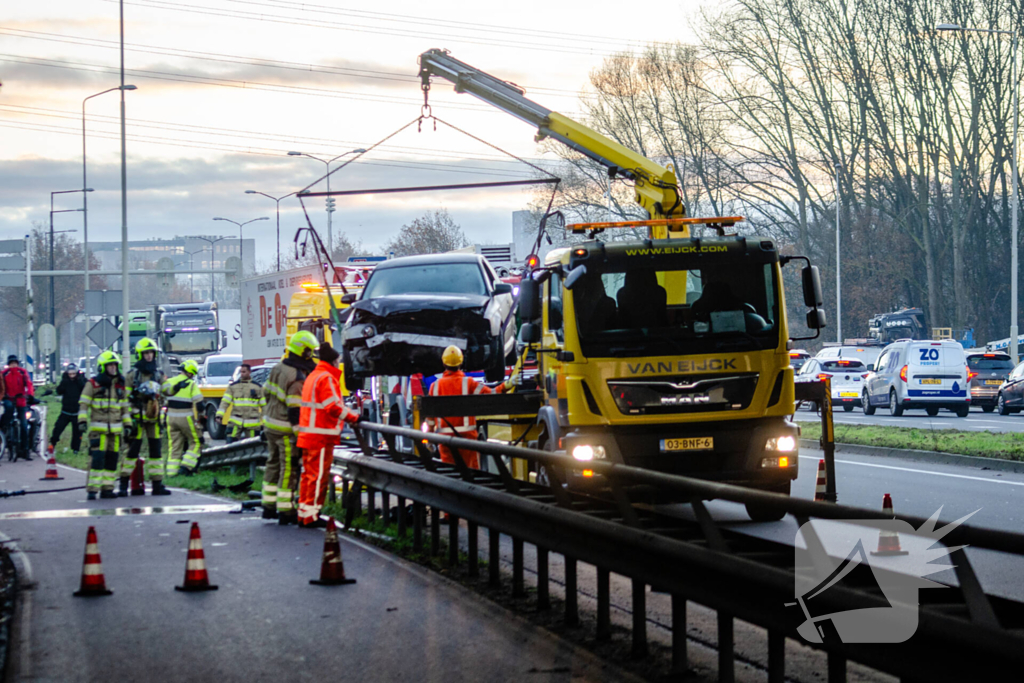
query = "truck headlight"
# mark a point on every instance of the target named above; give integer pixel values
(781, 444)
(586, 452)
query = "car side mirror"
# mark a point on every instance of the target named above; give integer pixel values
(812, 288)
(871, 367)
(349, 298)
(502, 288)
(529, 333)
(529, 300)
(816, 319)
(574, 275)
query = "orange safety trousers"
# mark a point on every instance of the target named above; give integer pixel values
(457, 383)
(316, 474)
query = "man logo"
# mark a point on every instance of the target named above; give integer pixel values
(830, 555)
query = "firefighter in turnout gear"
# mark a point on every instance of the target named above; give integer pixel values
(144, 382)
(103, 415)
(183, 427)
(283, 396)
(321, 419)
(241, 409)
(455, 383)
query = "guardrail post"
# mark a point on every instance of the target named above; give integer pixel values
(402, 526)
(776, 656)
(473, 532)
(252, 469)
(572, 614)
(726, 665)
(371, 504)
(435, 531)
(355, 497)
(680, 665)
(518, 586)
(639, 619)
(828, 441)
(453, 541)
(417, 527)
(332, 490)
(385, 507)
(493, 562)
(344, 492)
(836, 668)
(543, 589)
(604, 623)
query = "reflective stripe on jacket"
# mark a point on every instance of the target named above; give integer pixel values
(455, 383)
(105, 408)
(323, 408)
(246, 402)
(281, 393)
(182, 395)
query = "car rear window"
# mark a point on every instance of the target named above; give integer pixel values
(439, 278)
(934, 355)
(842, 365)
(983, 363)
(222, 368)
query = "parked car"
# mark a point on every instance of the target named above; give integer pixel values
(413, 307)
(988, 371)
(218, 369)
(1010, 398)
(797, 358)
(259, 373)
(928, 375)
(846, 377)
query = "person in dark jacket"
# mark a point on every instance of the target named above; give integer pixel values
(70, 390)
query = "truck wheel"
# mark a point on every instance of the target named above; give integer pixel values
(763, 513)
(988, 409)
(932, 412)
(963, 412)
(895, 409)
(213, 426)
(866, 405)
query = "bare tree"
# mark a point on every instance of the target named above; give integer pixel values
(432, 233)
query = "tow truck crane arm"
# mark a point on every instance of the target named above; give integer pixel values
(657, 189)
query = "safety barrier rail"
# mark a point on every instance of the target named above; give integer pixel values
(963, 633)
(251, 452)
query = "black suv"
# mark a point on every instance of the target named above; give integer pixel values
(986, 373)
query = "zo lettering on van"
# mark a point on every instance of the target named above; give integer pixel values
(681, 366)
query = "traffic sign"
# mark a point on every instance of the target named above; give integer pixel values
(103, 333)
(12, 279)
(12, 246)
(103, 302)
(47, 338)
(233, 264)
(15, 262)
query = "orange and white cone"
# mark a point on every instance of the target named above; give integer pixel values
(51, 469)
(196, 578)
(820, 487)
(332, 569)
(93, 583)
(138, 486)
(888, 539)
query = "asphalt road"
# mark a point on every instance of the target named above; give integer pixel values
(977, 421)
(265, 623)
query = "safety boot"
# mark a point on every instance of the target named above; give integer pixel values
(108, 494)
(270, 513)
(122, 487)
(158, 489)
(185, 471)
(91, 495)
(286, 518)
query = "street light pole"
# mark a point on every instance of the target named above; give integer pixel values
(53, 303)
(330, 209)
(1016, 193)
(125, 295)
(839, 270)
(240, 238)
(278, 201)
(213, 286)
(192, 275)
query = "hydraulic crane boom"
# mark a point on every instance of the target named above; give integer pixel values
(657, 189)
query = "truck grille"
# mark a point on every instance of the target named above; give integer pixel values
(691, 394)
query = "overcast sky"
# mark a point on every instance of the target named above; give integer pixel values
(227, 87)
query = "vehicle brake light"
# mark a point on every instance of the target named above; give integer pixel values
(843, 362)
(865, 375)
(903, 373)
(822, 376)
(971, 375)
(989, 355)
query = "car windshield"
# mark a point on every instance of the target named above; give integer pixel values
(701, 309)
(436, 278)
(222, 368)
(202, 341)
(985, 363)
(842, 365)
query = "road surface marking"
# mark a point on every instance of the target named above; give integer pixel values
(916, 471)
(118, 512)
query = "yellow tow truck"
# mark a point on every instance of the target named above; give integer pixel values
(669, 352)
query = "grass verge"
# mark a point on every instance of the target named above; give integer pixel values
(1001, 445)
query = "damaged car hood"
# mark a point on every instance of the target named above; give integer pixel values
(383, 306)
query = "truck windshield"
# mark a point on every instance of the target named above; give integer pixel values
(199, 341)
(438, 278)
(649, 312)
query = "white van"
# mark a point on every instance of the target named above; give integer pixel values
(919, 374)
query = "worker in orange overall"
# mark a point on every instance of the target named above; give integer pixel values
(321, 417)
(456, 383)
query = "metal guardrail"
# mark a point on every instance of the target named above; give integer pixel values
(963, 634)
(251, 452)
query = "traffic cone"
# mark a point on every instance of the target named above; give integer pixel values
(819, 489)
(888, 540)
(51, 469)
(332, 569)
(138, 486)
(196, 578)
(93, 583)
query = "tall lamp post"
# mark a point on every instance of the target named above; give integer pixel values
(53, 303)
(1016, 197)
(192, 275)
(212, 241)
(278, 201)
(839, 291)
(330, 207)
(240, 243)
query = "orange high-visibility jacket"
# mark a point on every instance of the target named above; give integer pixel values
(322, 409)
(456, 383)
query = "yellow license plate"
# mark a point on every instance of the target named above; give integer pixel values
(848, 394)
(697, 443)
(996, 382)
(931, 381)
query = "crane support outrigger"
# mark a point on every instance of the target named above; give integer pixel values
(669, 352)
